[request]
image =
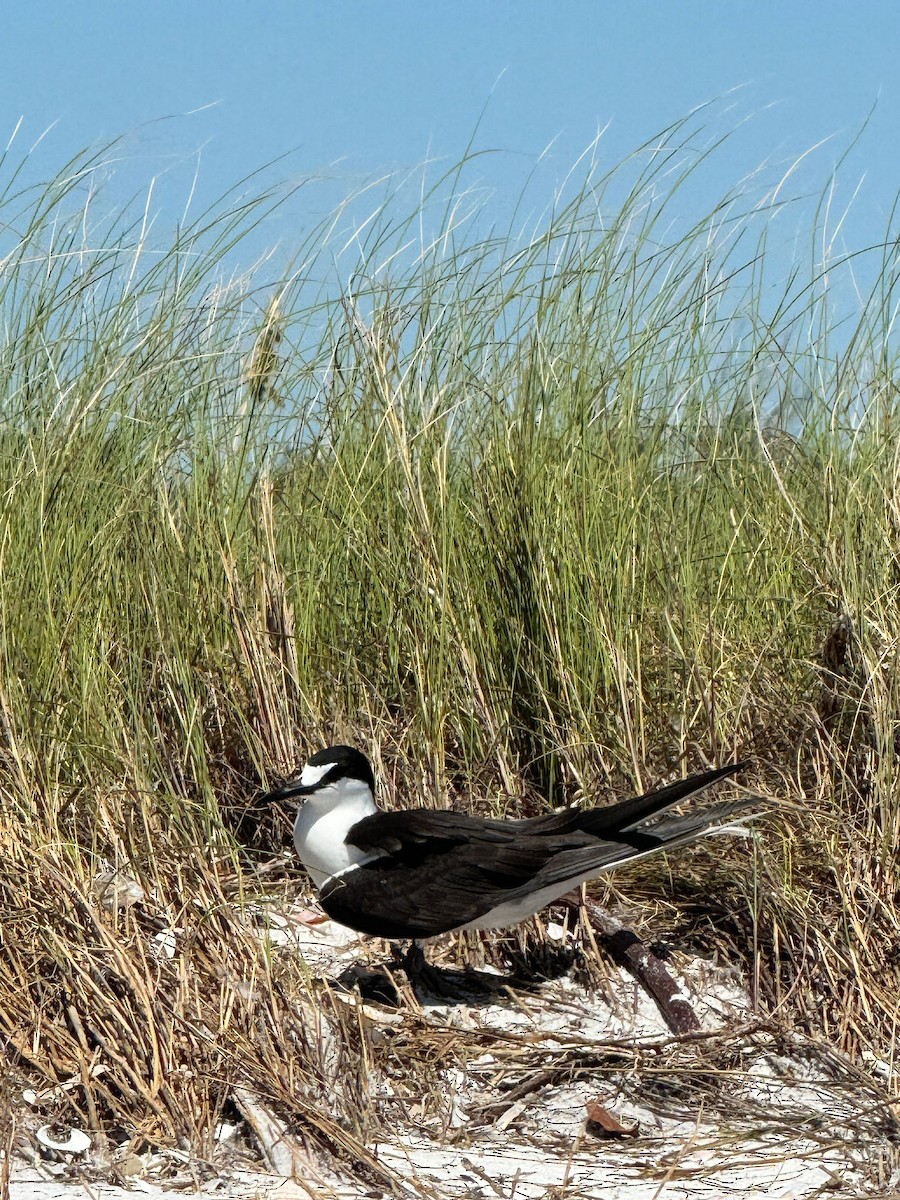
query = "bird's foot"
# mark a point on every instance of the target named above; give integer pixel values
(449, 985)
(419, 971)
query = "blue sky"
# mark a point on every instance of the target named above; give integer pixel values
(351, 89)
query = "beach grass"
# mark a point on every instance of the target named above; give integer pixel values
(532, 516)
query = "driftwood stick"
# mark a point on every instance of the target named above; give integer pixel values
(283, 1154)
(629, 951)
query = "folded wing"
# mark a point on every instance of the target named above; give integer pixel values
(436, 871)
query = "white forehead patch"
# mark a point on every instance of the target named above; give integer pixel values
(311, 775)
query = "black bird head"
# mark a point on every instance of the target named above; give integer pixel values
(325, 769)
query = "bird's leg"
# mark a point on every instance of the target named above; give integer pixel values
(414, 960)
(418, 970)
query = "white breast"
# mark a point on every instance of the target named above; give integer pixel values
(323, 823)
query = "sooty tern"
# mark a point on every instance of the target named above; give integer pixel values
(417, 873)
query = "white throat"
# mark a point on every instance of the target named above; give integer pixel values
(323, 823)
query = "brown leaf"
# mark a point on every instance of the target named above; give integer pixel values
(604, 1123)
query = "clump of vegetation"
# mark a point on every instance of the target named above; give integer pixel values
(531, 518)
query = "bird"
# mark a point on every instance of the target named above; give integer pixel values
(410, 875)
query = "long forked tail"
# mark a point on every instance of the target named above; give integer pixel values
(641, 827)
(683, 828)
(672, 831)
(630, 815)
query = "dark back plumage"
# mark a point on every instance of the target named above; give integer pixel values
(433, 871)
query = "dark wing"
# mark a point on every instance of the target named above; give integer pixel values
(628, 815)
(415, 832)
(386, 899)
(437, 871)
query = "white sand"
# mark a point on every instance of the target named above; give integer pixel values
(772, 1123)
